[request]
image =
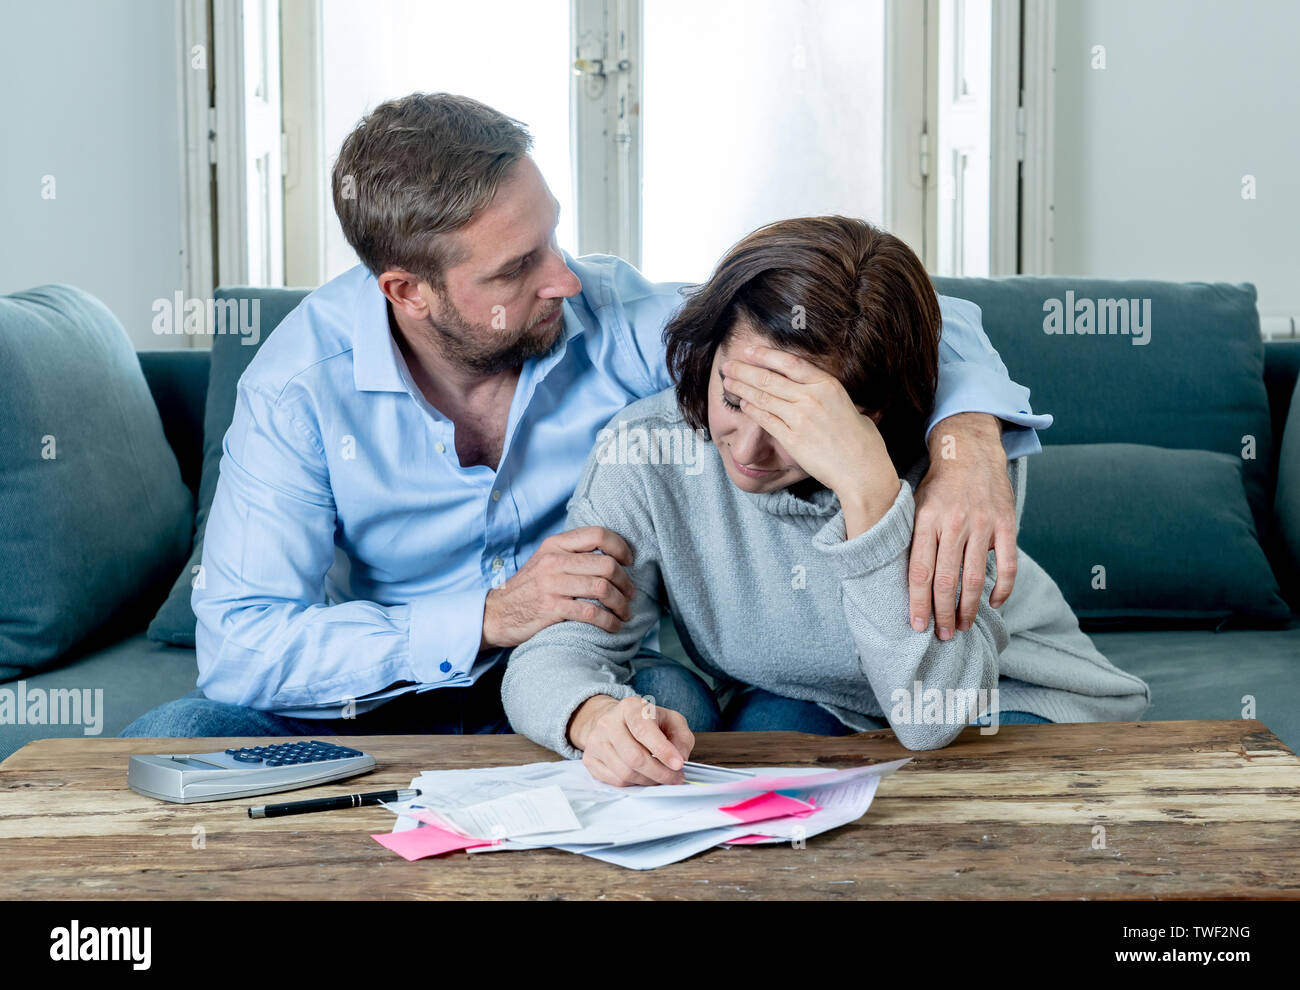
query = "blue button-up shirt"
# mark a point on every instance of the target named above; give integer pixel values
(348, 554)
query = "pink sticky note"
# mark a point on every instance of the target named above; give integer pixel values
(749, 840)
(769, 805)
(427, 840)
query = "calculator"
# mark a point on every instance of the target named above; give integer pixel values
(237, 773)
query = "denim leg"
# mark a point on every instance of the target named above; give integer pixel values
(674, 687)
(757, 710)
(442, 711)
(485, 713)
(195, 715)
(1015, 718)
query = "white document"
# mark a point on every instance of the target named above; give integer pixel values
(526, 807)
(523, 813)
(839, 804)
(660, 852)
(531, 812)
(768, 779)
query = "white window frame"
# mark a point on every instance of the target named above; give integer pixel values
(1038, 187)
(306, 168)
(911, 45)
(605, 110)
(1005, 140)
(194, 110)
(1020, 171)
(232, 125)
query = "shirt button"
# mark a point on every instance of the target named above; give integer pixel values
(497, 563)
(496, 496)
(440, 447)
(445, 666)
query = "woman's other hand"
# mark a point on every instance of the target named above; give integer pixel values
(632, 741)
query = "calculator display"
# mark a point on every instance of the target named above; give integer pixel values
(189, 761)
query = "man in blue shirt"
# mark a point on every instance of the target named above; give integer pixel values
(395, 478)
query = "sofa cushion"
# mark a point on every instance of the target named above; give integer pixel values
(232, 352)
(1130, 531)
(106, 689)
(1197, 382)
(93, 511)
(1195, 674)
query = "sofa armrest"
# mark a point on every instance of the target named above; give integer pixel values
(178, 379)
(1286, 500)
(1281, 370)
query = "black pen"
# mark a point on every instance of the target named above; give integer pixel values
(329, 804)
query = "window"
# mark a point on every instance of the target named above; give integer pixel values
(380, 49)
(750, 119)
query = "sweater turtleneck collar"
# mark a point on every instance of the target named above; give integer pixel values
(821, 501)
(783, 502)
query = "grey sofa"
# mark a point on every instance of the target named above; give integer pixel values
(1195, 672)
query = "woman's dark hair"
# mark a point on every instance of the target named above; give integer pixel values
(837, 291)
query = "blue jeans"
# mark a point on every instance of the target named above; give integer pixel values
(755, 710)
(672, 686)
(444, 711)
(761, 711)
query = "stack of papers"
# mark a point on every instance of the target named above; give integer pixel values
(561, 805)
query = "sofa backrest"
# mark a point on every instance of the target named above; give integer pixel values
(1178, 365)
(1281, 372)
(179, 378)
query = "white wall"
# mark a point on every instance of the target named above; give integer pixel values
(1150, 151)
(88, 95)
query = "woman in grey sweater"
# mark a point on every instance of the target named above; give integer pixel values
(768, 502)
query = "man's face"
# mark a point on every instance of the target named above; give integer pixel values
(501, 303)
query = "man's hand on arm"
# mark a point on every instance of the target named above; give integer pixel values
(964, 508)
(550, 586)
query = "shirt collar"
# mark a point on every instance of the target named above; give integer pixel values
(374, 352)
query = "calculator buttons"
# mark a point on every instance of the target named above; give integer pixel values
(293, 754)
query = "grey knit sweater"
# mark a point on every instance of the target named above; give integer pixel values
(765, 590)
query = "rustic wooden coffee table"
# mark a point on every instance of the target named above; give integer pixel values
(1118, 810)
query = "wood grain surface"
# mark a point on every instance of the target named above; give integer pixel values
(1189, 810)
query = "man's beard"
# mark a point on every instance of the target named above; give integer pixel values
(485, 350)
